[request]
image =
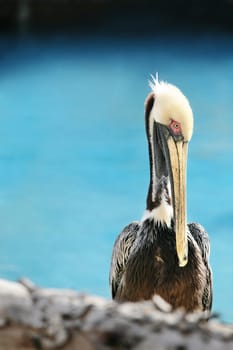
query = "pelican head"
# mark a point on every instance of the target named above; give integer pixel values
(169, 126)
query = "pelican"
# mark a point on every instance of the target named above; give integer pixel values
(161, 254)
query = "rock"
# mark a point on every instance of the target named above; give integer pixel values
(37, 318)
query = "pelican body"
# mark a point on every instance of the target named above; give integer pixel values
(161, 254)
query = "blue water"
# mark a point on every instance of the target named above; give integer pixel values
(73, 153)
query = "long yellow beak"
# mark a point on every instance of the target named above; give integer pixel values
(178, 159)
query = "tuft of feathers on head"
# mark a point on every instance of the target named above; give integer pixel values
(171, 104)
(154, 82)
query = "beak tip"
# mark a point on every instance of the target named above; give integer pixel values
(183, 262)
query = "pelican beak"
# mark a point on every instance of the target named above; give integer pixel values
(177, 170)
(170, 161)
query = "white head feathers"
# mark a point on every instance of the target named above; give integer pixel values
(170, 104)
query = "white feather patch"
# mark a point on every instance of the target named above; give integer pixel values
(171, 104)
(163, 214)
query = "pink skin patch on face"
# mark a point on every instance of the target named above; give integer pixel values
(175, 127)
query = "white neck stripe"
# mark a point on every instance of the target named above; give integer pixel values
(163, 214)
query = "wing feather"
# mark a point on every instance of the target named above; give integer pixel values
(121, 251)
(203, 242)
(201, 237)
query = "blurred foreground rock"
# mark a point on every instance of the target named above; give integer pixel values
(36, 318)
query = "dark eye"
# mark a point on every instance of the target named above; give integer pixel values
(175, 127)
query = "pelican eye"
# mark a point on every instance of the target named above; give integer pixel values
(175, 127)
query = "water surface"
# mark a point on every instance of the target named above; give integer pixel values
(73, 155)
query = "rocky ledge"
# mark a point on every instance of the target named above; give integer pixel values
(38, 318)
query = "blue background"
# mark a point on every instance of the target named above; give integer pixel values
(73, 153)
